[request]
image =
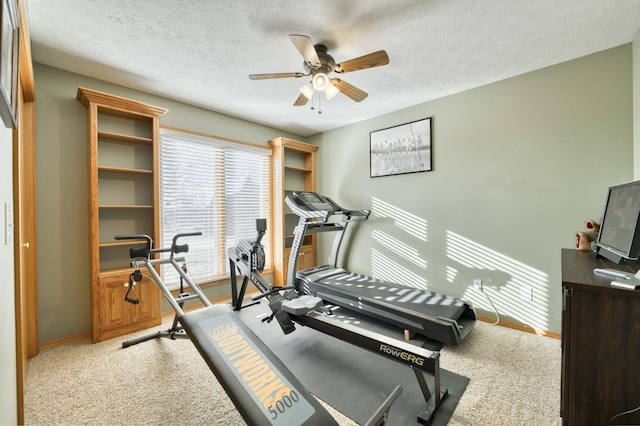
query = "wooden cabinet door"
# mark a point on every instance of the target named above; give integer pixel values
(149, 310)
(306, 260)
(117, 316)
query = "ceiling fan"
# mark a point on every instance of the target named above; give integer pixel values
(318, 64)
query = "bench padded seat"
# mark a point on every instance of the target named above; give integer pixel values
(262, 388)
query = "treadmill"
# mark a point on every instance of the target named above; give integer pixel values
(438, 317)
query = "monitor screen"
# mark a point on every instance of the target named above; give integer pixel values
(619, 236)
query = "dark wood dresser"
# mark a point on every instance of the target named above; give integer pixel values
(600, 343)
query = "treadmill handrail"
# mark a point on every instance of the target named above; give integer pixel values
(314, 211)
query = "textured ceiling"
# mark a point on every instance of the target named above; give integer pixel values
(202, 51)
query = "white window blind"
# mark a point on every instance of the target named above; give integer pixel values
(216, 187)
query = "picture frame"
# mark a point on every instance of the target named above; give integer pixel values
(9, 62)
(401, 149)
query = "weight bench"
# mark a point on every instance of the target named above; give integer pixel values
(262, 388)
(259, 384)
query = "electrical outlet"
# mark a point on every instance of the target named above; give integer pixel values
(477, 283)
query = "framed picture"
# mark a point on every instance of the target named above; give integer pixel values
(9, 63)
(401, 149)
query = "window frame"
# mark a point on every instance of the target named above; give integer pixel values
(221, 243)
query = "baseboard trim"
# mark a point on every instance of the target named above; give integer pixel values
(64, 340)
(521, 327)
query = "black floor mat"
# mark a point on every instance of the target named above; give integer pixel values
(353, 380)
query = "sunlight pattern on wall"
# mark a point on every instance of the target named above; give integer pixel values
(400, 248)
(388, 270)
(383, 266)
(451, 274)
(410, 223)
(517, 290)
(505, 279)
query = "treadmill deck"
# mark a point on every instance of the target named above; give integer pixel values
(439, 317)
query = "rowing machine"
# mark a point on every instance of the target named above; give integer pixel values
(288, 307)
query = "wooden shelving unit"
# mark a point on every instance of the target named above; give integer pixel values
(123, 199)
(293, 166)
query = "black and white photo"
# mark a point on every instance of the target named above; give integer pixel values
(401, 149)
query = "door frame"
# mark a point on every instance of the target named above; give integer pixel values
(24, 205)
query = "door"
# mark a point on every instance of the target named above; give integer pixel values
(24, 215)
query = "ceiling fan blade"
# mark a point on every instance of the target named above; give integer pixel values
(276, 75)
(302, 100)
(371, 60)
(305, 46)
(349, 90)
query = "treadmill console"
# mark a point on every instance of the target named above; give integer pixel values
(312, 201)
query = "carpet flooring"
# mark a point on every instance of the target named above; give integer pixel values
(514, 379)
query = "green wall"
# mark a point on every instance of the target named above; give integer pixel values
(518, 166)
(62, 189)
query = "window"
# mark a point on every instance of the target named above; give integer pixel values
(214, 186)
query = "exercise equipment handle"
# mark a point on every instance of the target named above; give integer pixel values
(133, 237)
(137, 252)
(147, 250)
(182, 248)
(261, 227)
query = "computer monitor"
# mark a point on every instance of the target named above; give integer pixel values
(619, 236)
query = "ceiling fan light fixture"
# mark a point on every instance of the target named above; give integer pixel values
(331, 91)
(318, 64)
(320, 81)
(307, 90)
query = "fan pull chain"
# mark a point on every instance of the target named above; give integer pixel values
(312, 102)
